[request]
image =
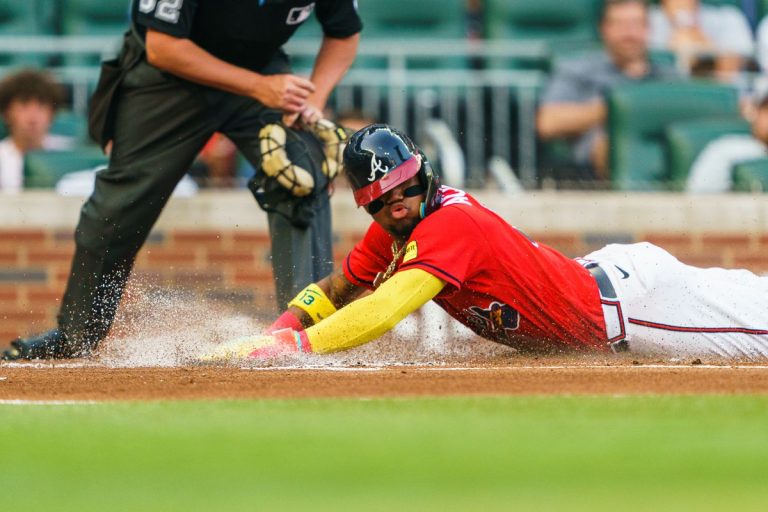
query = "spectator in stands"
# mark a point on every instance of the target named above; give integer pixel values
(28, 103)
(709, 40)
(573, 104)
(711, 171)
(761, 51)
(354, 119)
(216, 164)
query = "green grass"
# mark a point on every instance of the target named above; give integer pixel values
(512, 453)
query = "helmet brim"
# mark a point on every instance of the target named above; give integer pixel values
(393, 178)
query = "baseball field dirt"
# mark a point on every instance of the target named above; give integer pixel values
(573, 375)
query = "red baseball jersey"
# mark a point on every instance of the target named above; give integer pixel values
(500, 283)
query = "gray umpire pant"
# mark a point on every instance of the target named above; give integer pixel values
(162, 122)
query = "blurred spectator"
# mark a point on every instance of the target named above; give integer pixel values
(751, 10)
(354, 119)
(28, 103)
(573, 104)
(762, 44)
(711, 171)
(708, 39)
(216, 164)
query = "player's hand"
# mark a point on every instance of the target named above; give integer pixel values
(259, 346)
(288, 93)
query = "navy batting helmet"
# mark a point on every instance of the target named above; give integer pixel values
(378, 158)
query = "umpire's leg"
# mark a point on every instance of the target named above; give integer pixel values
(300, 255)
(160, 127)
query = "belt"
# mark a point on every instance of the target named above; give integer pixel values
(603, 283)
(611, 309)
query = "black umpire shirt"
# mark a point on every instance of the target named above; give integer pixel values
(247, 33)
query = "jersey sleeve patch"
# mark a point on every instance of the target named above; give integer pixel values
(411, 251)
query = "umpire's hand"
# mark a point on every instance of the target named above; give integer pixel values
(309, 116)
(288, 93)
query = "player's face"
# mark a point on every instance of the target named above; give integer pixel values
(400, 213)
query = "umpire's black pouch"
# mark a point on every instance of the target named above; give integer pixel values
(103, 105)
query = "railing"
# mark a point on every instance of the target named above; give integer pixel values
(490, 111)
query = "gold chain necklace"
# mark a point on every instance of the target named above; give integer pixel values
(397, 253)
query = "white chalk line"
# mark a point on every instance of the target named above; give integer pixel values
(499, 368)
(436, 368)
(49, 402)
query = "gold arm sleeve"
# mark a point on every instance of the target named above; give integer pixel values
(366, 319)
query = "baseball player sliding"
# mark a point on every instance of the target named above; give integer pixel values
(432, 242)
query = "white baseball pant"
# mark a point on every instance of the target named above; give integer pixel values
(666, 307)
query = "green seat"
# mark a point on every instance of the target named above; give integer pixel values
(94, 18)
(23, 18)
(734, 3)
(637, 118)
(408, 20)
(555, 22)
(42, 169)
(18, 17)
(70, 124)
(686, 139)
(751, 175)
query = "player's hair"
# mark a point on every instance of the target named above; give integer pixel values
(30, 84)
(607, 4)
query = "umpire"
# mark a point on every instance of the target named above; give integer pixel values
(187, 69)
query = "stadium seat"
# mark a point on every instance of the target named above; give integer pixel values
(751, 176)
(94, 18)
(18, 18)
(686, 139)
(551, 21)
(637, 118)
(70, 124)
(23, 18)
(403, 20)
(42, 169)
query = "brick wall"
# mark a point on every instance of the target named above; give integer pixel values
(215, 243)
(232, 266)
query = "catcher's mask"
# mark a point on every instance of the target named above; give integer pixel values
(378, 158)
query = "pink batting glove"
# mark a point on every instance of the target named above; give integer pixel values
(284, 342)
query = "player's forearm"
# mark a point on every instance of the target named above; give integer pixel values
(569, 119)
(187, 60)
(333, 60)
(368, 318)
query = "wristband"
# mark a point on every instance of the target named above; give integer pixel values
(314, 302)
(293, 341)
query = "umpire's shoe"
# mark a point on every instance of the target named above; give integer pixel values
(48, 345)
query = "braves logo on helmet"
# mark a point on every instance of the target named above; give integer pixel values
(377, 165)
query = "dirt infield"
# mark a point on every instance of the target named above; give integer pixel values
(509, 376)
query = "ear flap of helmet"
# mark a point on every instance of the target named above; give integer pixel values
(430, 180)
